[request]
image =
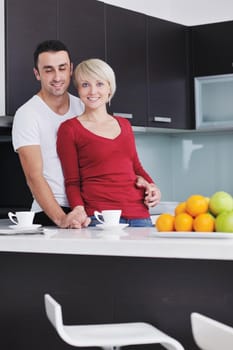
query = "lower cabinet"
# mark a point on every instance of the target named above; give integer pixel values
(14, 192)
(105, 289)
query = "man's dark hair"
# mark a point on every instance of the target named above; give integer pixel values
(49, 45)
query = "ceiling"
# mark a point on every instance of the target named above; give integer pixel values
(188, 12)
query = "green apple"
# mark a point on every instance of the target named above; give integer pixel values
(224, 222)
(219, 202)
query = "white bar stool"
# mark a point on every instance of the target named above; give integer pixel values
(210, 334)
(107, 336)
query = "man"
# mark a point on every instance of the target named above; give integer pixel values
(34, 138)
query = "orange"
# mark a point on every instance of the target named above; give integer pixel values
(183, 222)
(180, 208)
(165, 222)
(204, 223)
(196, 204)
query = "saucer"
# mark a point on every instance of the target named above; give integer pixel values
(25, 228)
(112, 227)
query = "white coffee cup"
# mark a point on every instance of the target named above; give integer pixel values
(110, 217)
(22, 218)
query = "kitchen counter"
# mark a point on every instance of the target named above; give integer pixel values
(136, 277)
(136, 242)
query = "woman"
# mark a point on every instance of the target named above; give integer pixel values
(98, 152)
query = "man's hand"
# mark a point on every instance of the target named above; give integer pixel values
(152, 192)
(77, 218)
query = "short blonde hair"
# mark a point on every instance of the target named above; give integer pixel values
(95, 68)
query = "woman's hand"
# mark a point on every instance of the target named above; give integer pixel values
(152, 192)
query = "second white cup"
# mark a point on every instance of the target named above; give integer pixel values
(22, 218)
(110, 217)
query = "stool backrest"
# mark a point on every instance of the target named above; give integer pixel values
(210, 334)
(53, 312)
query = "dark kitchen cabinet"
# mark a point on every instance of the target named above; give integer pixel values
(168, 75)
(27, 23)
(212, 48)
(96, 289)
(82, 29)
(126, 54)
(79, 24)
(14, 192)
(148, 55)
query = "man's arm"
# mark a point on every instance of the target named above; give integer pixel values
(32, 164)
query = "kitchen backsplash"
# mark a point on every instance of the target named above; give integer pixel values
(184, 164)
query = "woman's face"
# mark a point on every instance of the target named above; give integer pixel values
(93, 92)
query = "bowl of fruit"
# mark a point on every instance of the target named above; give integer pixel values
(199, 213)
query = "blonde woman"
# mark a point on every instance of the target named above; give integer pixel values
(98, 153)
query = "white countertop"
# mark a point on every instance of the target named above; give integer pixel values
(137, 242)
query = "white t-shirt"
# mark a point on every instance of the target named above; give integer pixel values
(36, 124)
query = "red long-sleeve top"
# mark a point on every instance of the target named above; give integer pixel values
(100, 173)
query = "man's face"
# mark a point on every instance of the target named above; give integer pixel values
(54, 72)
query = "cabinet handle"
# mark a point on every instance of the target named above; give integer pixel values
(124, 115)
(163, 119)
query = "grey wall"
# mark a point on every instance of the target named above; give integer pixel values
(185, 164)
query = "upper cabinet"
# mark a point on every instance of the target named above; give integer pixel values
(27, 23)
(126, 54)
(148, 55)
(79, 24)
(212, 49)
(168, 75)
